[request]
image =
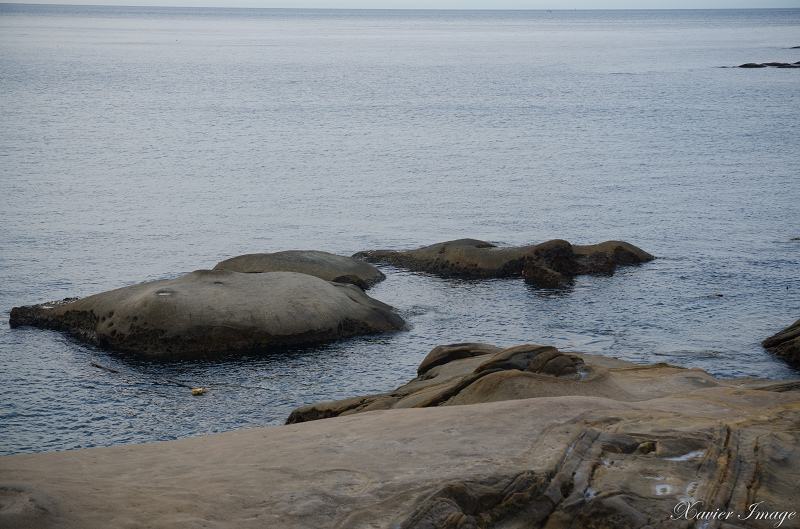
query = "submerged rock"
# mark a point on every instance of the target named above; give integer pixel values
(786, 344)
(327, 266)
(216, 310)
(550, 264)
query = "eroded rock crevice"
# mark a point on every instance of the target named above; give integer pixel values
(611, 479)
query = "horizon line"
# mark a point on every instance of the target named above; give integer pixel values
(169, 6)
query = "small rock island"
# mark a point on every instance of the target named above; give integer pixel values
(209, 311)
(552, 264)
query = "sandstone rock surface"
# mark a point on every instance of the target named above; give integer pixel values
(216, 310)
(477, 373)
(786, 344)
(550, 264)
(660, 439)
(327, 266)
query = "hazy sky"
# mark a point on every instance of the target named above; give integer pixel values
(448, 4)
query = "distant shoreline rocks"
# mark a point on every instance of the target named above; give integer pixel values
(770, 64)
(552, 264)
(215, 311)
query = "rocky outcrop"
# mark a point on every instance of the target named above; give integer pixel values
(555, 263)
(216, 310)
(468, 258)
(666, 447)
(327, 266)
(462, 374)
(786, 344)
(471, 258)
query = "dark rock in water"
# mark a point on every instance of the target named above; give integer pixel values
(471, 258)
(786, 344)
(554, 264)
(770, 64)
(217, 310)
(327, 266)
(468, 258)
(780, 65)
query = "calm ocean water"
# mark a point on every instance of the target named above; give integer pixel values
(141, 143)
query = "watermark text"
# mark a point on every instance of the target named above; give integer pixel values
(694, 510)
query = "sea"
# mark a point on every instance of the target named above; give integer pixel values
(142, 143)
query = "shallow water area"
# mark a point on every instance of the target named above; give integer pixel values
(142, 143)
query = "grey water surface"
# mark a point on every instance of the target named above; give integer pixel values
(143, 143)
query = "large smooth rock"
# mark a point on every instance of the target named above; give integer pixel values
(327, 266)
(786, 344)
(549, 264)
(217, 310)
(556, 462)
(555, 263)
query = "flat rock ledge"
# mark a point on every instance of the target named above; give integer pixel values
(552, 264)
(214, 311)
(638, 447)
(786, 344)
(327, 266)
